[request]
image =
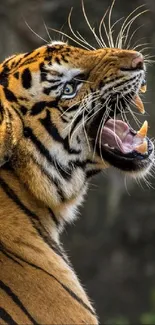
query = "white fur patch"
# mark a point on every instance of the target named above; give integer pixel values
(68, 72)
(57, 43)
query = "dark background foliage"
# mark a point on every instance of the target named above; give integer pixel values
(112, 245)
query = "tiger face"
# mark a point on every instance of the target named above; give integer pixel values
(64, 108)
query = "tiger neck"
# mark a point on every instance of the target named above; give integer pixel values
(22, 214)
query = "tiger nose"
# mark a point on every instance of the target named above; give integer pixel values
(138, 62)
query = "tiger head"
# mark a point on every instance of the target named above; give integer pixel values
(64, 109)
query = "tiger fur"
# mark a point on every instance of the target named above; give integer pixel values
(46, 160)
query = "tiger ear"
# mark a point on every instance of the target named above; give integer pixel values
(10, 126)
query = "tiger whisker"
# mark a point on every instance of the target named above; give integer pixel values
(138, 44)
(88, 118)
(115, 125)
(74, 34)
(100, 128)
(111, 43)
(85, 132)
(47, 31)
(144, 48)
(90, 27)
(130, 24)
(100, 29)
(56, 164)
(130, 110)
(71, 38)
(84, 40)
(79, 126)
(78, 102)
(131, 37)
(35, 33)
(105, 115)
(124, 26)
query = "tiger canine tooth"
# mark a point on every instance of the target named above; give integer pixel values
(143, 130)
(143, 89)
(142, 148)
(138, 102)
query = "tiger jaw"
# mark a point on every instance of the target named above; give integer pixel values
(120, 145)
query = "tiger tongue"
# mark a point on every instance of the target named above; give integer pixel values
(138, 102)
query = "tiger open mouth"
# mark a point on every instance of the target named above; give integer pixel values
(122, 146)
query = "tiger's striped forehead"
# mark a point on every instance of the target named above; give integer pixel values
(31, 74)
(61, 56)
(57, 54)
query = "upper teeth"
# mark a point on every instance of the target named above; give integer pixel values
(138, 102)
(143, 130)
(143, 88)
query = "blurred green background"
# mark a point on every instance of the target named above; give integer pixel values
(112, 244)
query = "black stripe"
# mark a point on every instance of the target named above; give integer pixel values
(43, 72)
(23, 109)
(49, 89)
(59, 189)
(68, 290)
(15, 63)
(78, 139)
(1, 113)
(54, 81)
(72, 108)
(63, 58)
(101, 84)
(10, 95)
(65, 172)
(26, 78)
(33, 218)
(2, 250)
(64, 119)
(53, 132)
(91, 173)
(50, 49)
(77, 120)
(16, 75)
(6, 317)
(53, 217)
(28, 61)
(4, 76)
(57, 60)
(22, 61)
(29, 54)
(55, 181)
(39, 107)
(17, 301)
(82, 77)
(8, 60)
(39, 145)
(121, 83)
(23, 98)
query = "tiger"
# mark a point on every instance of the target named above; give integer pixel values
(62, 121)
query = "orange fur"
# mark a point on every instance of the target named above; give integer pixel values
(39, 187)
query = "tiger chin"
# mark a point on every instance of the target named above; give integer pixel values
(62, 120)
